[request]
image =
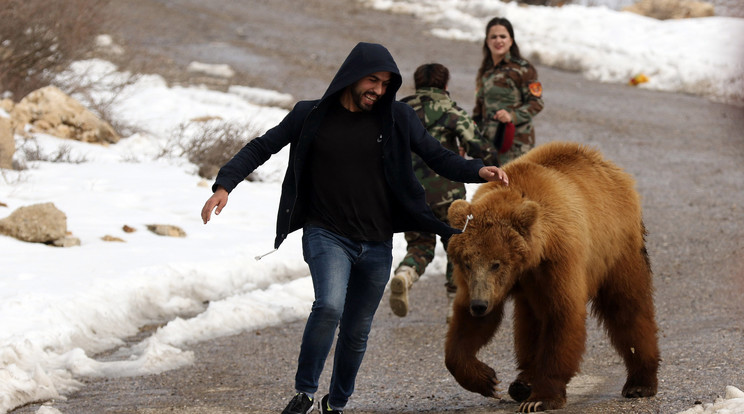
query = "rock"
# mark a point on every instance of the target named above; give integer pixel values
(51, 111)
(67, 241)
(128, 229)
(7, 105)
(109, 238)
(7, 143)
(671, 9)
(38, 223)
(166, 230)
(205, 118)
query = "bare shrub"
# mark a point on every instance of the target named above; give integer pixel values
(209, 144)
(39, 38)
(32, 151)
(15, 176)
(99, 88)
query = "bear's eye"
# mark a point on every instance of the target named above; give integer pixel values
(495, 267)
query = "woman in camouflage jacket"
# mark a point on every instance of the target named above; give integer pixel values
(507, 91)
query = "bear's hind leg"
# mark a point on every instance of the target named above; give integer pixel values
(625, 306)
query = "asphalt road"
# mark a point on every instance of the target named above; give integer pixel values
(686, 153)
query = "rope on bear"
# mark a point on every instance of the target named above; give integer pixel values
(467, 220)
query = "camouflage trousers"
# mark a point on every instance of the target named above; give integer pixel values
(420, 248)
(517, 150)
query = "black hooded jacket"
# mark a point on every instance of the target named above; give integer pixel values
(402, 133)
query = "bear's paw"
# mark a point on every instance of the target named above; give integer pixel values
(519, 390)
(638, 391)
(479, 378)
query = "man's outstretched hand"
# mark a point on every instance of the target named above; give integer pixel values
(492, 173)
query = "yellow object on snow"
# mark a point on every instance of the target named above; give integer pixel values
(638, 79)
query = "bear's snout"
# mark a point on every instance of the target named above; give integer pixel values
(478, 307)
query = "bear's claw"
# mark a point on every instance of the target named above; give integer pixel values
(496, 391)
(531, 407)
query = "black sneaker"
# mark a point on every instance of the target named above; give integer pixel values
(325, 408)
(300, 404)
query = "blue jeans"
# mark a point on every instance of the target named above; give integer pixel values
(349, 279)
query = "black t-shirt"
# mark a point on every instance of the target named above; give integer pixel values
(349, 193)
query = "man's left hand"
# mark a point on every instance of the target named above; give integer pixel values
(492, 173)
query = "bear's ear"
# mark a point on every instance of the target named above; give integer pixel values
(525, 217)
(457, 213)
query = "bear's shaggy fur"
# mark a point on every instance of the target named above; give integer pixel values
(566, 231)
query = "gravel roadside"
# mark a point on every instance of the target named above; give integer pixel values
(686, 153)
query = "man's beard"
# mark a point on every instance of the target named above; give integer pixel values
(361, 102)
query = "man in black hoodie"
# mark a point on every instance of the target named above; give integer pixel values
(350, 185)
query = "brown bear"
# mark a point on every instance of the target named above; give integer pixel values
(566, 231)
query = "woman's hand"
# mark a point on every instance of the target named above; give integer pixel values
(502, 115)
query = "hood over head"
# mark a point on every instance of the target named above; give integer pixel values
(364, 59)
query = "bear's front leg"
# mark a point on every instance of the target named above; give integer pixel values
(560, 337)
(466, 336)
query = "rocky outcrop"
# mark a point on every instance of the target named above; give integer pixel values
(671, 9)
(51, 111)
(38, 223)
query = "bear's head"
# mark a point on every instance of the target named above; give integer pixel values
(494, 248)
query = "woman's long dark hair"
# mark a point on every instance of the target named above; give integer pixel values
(487, 62)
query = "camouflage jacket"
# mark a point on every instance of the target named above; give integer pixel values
(454, 128)
(510, 85)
